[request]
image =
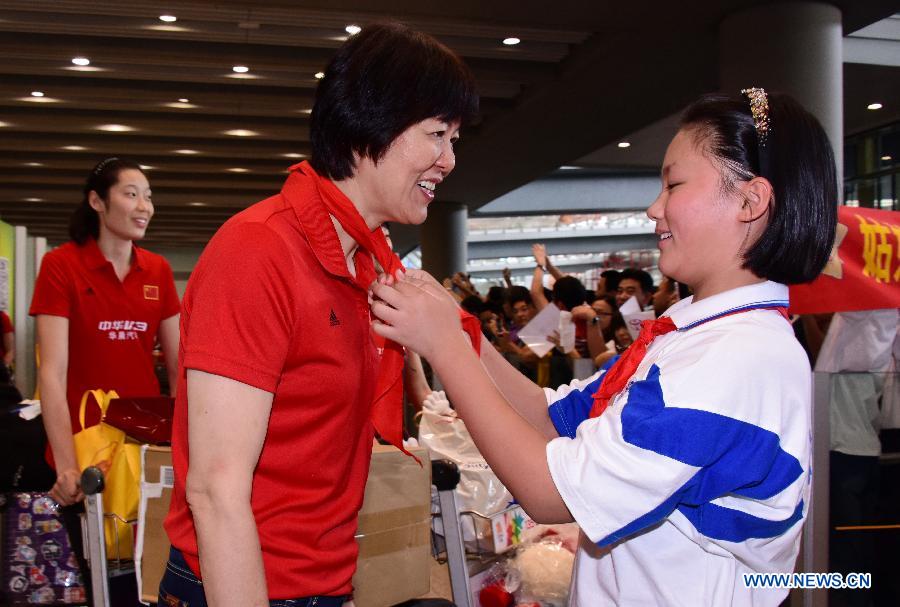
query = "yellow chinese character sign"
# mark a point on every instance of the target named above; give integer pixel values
(863, 272)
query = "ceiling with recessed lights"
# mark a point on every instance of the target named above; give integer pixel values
(213, 97)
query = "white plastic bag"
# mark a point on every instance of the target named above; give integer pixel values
(479, 490)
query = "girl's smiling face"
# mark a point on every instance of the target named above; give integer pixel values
(698, 220)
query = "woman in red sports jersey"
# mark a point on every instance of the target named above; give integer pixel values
(275, 415)
(100, 304)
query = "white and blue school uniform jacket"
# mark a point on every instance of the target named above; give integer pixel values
(699, 470)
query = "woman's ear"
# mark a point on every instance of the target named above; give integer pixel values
(96, 202)
(758, 197)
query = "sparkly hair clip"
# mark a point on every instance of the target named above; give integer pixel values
(102, 164)
(759, 107)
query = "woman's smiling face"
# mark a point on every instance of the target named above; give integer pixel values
(402, 183)
(128, 207)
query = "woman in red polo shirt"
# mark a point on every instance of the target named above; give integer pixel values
(100, 304)
(283, 386)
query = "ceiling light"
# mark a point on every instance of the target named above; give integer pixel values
(3, 124)
(196, 204)
(34, 164)
(85, 68)
(320, 75)
(624, 144)
(240, 133)
(37, 93)
(186, 152)
(74, 148)
(82, 61)
(162, 27)
(32, 199)
(184, 100)
(305, 111)
(32, 98)
(180, 105)
(353, 29)
(168, 18)
(115, 128)
(511, 41)
(240, 69)
(294, 155)
(238, 170)
(886, 158)
(146, 167)
(568, 168)
(874, 106)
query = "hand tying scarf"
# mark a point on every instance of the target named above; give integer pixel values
(387, 409)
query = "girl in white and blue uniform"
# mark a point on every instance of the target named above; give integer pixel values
(688, 466)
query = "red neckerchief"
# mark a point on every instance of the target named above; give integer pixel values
(387, 410)
(618, 375)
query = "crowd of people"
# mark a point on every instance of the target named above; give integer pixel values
(601, 332)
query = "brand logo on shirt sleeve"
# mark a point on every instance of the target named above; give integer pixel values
(333, 319)
(151, 292)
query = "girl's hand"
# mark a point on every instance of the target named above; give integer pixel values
(416, 312)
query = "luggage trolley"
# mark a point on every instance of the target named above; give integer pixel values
(465, 564)
(445, 477)
(92, 485)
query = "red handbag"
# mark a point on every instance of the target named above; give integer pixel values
(146, 419)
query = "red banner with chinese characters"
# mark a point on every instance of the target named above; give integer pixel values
(863, 272)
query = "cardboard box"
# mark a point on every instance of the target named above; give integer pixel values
(152, 551)
(394, 532)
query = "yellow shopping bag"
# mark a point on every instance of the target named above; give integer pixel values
(106, 448)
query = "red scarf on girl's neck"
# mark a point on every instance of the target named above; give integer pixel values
(387, 410)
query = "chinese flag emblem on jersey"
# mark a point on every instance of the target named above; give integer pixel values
(151, 292)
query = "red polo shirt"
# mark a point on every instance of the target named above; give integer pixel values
(272, 304)
(112, 323)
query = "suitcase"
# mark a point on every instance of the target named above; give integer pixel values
(39, 565)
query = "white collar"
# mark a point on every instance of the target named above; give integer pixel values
(686, 314)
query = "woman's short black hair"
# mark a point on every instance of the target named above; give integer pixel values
(382, 81)
(569, 291)
(84, 222)
(798, 161)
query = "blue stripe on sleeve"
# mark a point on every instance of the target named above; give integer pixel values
(734, 457)
(575, 407)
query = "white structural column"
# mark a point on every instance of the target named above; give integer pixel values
(444, 239)
(795, 48)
